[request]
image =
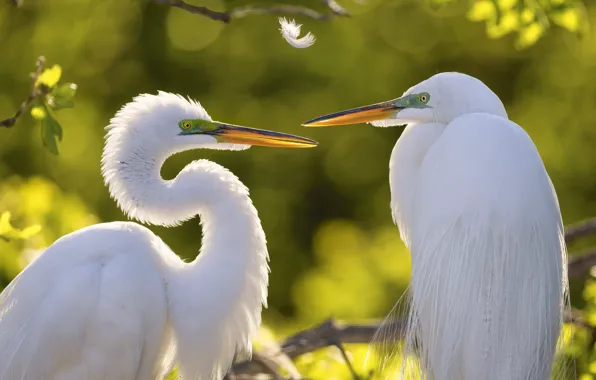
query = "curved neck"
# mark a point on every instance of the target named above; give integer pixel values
(406, 159)
(216, 301)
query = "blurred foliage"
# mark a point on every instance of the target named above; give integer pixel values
(8, 232)
(529, 19)
(334, 248)
(34, 202)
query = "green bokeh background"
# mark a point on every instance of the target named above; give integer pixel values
(334, 249)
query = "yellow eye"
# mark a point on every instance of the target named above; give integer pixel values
(186, 125)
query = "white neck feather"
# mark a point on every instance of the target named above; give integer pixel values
(404, 165)
(216, 301)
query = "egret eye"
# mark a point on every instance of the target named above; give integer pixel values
(424, 98)
(186, 125)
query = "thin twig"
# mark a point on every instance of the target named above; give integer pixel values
(35, 92)
(334, 10)
(278, 10)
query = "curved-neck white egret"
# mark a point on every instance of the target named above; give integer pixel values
(112, 301)
(477, 209)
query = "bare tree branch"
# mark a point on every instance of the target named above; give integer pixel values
(334, 10)
(35, 92)
(579, 230)
(581, 265)
(330, 333)
(327, 334)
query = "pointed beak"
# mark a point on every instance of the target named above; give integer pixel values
(374, 112)
(236, 134)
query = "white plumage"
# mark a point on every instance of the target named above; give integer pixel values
(290, 31)
(476, 207)
(112, 301)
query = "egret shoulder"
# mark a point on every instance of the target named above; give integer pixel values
(487, 164)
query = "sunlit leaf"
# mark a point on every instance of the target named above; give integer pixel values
(173, 375)
(38, 112)
(530, 34)
(27, 232)
(509, 22)
(527, 16)
(482, 10)
(50, 77)
(51, 131)
(8, 232)
(568, 18)
(265, 337)
(62, 96)
(5, 226)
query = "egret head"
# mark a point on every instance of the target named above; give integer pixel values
(439, 99)
(168, 123)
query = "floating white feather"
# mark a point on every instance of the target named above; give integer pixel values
(290, 32)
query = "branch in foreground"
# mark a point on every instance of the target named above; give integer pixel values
(579, 230)
(280, 10)
(330, 333)
(35, 92)
(581, 265)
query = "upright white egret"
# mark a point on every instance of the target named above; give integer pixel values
(112, 301)
(476, 207)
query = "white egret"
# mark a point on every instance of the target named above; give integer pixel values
(112, 301)
(477, 209)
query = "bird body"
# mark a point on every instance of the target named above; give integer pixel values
(487, 251)
(96, 296)
(112, 301)
(477, 209)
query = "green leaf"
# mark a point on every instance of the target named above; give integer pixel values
(50, 131)
(50, 77)
(62, 96)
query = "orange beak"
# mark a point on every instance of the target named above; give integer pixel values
(374, 112)
(259, 137)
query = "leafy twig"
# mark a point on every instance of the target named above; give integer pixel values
(37, 90)
(334, 10)
(46, 95)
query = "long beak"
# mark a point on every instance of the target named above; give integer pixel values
(374, 112)
(236, 134)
